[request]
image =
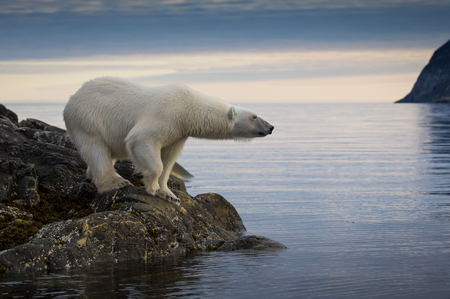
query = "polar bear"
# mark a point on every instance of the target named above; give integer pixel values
(110, 119)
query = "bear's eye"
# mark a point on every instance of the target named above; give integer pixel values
(255, 117)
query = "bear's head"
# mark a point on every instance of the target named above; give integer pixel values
(247, 124)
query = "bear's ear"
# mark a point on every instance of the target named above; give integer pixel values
(231, 113)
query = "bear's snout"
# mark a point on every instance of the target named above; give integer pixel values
(261, 133)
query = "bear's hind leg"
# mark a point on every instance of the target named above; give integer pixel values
(101, 166)
(146, 156)
(169, 156)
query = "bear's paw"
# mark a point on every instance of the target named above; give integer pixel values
(168, 195)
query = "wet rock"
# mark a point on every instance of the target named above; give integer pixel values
(23, 257)
(52, 217)
(251, 243)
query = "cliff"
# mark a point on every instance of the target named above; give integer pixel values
(433, 84)
(51, 217)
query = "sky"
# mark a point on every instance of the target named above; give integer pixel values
(241, 51)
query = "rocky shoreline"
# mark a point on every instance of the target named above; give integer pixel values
(52, 218)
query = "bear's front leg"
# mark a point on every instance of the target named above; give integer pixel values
(151, 184)
(169, 155)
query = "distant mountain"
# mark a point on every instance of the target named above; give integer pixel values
(433, 84)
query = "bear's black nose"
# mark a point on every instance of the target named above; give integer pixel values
(271, 129)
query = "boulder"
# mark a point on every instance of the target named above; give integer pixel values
(251, 242)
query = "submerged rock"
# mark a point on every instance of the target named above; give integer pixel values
(51, 217)
(251, 242)
(433, 84)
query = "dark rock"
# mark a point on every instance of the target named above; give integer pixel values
(51, 216)
(8, 114)
(177, 184)
(23, 257)
(41, 131)
(6, 186)
(19, 182)
(8, 125)
(130, 194)
(433, 84)
(221, 210)
(83, 190)
(54, 138)
(27, 191)
(40, 125)
(251, 243)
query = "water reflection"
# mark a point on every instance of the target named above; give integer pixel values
(191, 276)
(156, 279)
(436, 121)
(435, 155)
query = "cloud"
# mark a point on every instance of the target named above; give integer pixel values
(222, 62)
(197, 6)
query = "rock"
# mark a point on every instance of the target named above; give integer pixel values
(40, 125)
(8, 114)
(179, 171)
(8, 125)
(27, 191)
(13, 212)
(19, 182)
(51, 216)
(433, 84)
(251, 242)
(41, 131)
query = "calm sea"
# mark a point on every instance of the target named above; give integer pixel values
(358, 192)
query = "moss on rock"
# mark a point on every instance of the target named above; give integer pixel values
(17, 233)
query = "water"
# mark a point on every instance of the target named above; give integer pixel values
(358, 192)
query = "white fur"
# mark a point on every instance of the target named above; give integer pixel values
(110, 119)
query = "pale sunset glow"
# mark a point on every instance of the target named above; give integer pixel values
(351, 89)
(54, 80)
